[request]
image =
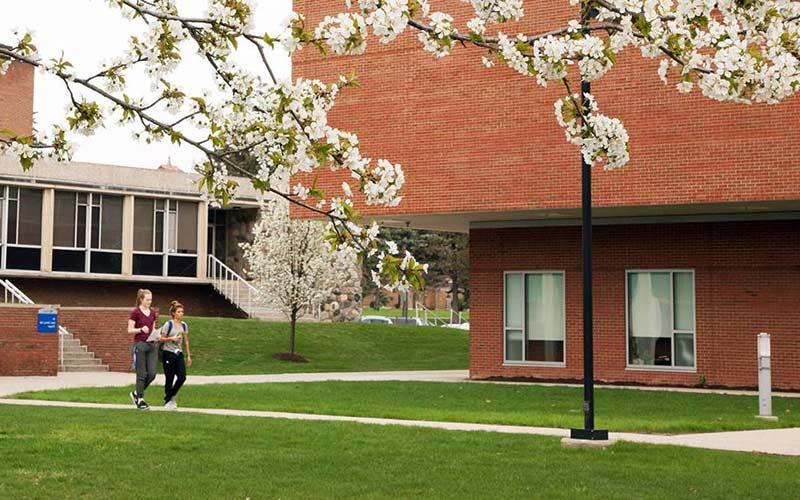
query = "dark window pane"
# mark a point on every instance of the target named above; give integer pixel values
(95, 227)
(80, 236)
(106, 262)
(684, 349)
(83, 198)
(73, 261)
(187, 227)
(111, 237)
(143, 225)
(23, 258)
(545, 350)
(650, 351)
(30, 217)
(183, 266)
(64, 219)
(158, 243)
(11, 237)
(148, 265)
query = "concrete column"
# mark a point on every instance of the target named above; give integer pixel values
(202, 239)
(127, 235)
(48, 215)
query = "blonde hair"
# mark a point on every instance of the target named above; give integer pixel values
(141, 294)
(174, 306)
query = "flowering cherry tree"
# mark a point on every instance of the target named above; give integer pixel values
(731, 50)
(291, 265)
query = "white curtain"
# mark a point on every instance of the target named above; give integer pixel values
(650, 304)
(545, 318)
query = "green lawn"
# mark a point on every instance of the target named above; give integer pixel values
(617, 409)
(222, 346)
(393, 313)
(106, 454)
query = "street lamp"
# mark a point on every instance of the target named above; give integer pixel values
(588, 432)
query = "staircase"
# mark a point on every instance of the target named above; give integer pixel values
(72, 356)
(239, 292)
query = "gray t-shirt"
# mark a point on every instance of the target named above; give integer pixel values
(174, 332)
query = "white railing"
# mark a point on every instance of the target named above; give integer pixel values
(235, 288)
(13, 295)
(430, 319)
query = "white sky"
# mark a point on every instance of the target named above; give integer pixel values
(90, 32)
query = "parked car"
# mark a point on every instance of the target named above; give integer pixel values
(408, 321)
(376, 319)
(460, 326)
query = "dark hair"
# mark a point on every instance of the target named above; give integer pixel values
(174, 306)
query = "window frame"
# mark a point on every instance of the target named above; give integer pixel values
(6, 199)
(168, 207)
(672, 367)
(523, 362)
(93, 200)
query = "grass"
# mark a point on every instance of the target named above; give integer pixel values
(223, 346)
(617, 409)
(106, 454)
(394, 313)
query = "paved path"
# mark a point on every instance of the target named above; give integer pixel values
(773, 441)
(13, 385)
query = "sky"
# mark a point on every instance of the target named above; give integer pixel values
(90, 32)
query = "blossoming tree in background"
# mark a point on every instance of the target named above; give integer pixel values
(292, 267)
(732, 50)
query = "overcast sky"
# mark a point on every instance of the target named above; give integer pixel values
(90, 32)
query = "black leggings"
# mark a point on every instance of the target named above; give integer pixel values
(174, 366)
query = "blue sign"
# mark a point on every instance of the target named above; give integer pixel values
(47, 321)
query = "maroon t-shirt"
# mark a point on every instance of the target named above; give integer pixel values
(140, 320)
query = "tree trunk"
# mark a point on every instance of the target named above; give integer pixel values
(292, 325)
(405, 304)
(455, 304)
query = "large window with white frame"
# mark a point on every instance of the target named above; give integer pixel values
(534, 323)
(661, 318)
(21, 234)
(165, 237)
(87, 232)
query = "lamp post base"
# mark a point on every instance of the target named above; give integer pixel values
(589, 434)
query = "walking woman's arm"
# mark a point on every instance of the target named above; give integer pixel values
(188, 352)
(132, 327)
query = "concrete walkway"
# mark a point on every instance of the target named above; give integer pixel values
(13, 385)
(773, 441)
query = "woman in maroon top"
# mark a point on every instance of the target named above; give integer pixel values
(145, 354)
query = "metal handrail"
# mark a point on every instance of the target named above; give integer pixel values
(434, 321)
(229, 283)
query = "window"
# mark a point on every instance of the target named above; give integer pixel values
(99, 251)
(534, 317)
(165, 237)
(22, 237)
(660, 307)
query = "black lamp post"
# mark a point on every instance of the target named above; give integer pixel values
(588, 431)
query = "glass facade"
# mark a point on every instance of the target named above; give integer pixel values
(22, 228)
(165, 238)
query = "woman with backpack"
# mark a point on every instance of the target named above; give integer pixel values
(174, 334)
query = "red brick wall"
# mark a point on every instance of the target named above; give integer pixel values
(24, 351)
(16, 99)
(478, 139)
(747, 280)
(104, 330)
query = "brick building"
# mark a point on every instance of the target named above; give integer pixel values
(696, 241)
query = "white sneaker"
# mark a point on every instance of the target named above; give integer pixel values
(170, 405)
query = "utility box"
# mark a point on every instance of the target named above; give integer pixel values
(47, 321)
(764, 377)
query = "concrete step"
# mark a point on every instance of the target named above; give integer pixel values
(78, 355)
(83, 368)
(84, 361)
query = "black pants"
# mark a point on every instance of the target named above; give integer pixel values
(174, 366)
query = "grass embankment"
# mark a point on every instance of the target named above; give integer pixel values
(72, 453)
(395, 313)
(617, 409)
(222, 346)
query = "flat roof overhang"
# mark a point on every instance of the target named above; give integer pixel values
(462, 222)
